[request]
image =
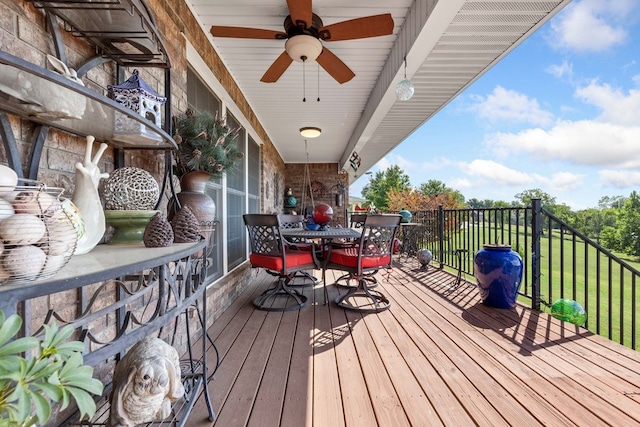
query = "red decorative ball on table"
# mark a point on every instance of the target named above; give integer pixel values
(322, 214)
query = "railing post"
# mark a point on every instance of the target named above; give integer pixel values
(441, 235)
(536, 224)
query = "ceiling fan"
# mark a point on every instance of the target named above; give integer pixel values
(303, 31)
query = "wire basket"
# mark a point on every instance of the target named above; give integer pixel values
(39, 231)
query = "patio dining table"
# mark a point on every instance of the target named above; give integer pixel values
(324, 237)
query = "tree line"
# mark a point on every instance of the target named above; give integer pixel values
(614, 223)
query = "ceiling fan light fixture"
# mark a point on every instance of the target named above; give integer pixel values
(310, 132)
(303, 46)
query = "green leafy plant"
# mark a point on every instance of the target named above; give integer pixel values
(56, 373)
(205, 142)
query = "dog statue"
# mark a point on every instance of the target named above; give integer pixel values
(145, 383)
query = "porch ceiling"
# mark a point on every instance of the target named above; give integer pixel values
(448, 45)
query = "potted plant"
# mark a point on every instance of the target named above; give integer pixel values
(55, 373)
(207, 147)
(205, 143)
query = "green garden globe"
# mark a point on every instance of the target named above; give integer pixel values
(569, 310)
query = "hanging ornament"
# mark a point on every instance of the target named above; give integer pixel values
(404, 89)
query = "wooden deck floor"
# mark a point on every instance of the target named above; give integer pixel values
(437, 357)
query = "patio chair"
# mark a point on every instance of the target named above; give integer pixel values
(279, 258)
(373, 251)
(291, 221)
(356, 222)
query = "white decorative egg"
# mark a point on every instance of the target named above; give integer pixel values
(36, 202)
(22, 229)
(61, 237)
(8, 179)
(52, 264)
(24, 262)
(6, 209)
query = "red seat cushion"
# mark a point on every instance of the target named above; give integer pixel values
(349, 258)
(294, 259)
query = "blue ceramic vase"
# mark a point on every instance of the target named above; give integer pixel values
(498, 271)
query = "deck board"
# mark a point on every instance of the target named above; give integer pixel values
(437, 357)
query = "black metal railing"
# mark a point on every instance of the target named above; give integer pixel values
(559, 261)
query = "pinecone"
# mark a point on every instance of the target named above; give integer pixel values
(186, 227)
(158, 233)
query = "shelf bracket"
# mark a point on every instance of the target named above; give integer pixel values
(39, 138)
(10, 145)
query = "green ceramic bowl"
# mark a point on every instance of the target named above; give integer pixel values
(128, 226)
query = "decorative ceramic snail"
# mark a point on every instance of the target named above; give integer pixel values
(87, 199)
(145, 382)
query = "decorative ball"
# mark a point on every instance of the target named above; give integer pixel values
(186, 227)
(404, 90)
(406, 216)
(131, 189)
(322, 214)
(158, 233)
(424, 257)
(569, 310)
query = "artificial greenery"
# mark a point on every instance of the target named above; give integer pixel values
(56, 373)
(205, 142)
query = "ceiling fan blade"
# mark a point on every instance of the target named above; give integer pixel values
(300, 11)
(277, 69)
(359, 28)
(334, 66)
(246, 33)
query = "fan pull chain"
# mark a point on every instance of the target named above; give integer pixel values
(318, 82)
(304, 81)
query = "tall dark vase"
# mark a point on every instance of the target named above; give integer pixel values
(498, 271)
(192, 194)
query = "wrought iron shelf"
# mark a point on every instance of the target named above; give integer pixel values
(123, 30)
(46, 97)
(104, 262)
(152, 289)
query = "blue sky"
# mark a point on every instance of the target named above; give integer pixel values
(560, 113)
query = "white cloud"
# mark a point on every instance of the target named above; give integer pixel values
(591, 25)
(512, 106)
(610, 140)
(617, 107)
(564, 70)
(619, 179)
(580, 142)
(394, 159)
(490, 172)
(561, 181)
(462, 183)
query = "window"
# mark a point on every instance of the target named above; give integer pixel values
(253, 160)
(235, 194)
